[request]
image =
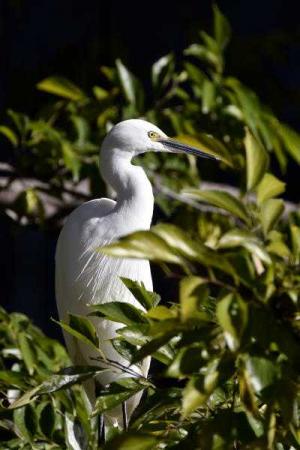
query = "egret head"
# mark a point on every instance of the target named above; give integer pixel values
(136, 136)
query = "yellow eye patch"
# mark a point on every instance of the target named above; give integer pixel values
(153, 135)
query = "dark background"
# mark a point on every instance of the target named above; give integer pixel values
(73, 38)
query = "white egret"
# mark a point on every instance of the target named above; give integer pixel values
(84, 276)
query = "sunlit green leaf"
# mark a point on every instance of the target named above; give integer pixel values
(62, 87)
(70, 159)
(271, 210)
(237, 238)
(208, 96)
(269, 187)
(232, 314)
(193, 291)
(222, 200)
(143, 244)
(28, 352)
(257, 160)
(9, 134)
(291, 140)
(162, 71)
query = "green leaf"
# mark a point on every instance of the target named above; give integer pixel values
(247, 395)
(131, 87)
(120, 312)
(222, 29)
(291, 140)
(70, 159)
(191, 249)
(241, 238)
(66, 378)
(295, 237)
(46, 419)
(269, 187)
(9, 134)
(162, 71)
(271, 210)
(132, 441)
(124, 348)
(11, 378)
(152, 346)
(28, 352)
(203, 53)
(194, 73)
(147, 299)
(262, 372)
(143, 245)
(256, 160)
(126, 80)
(74, 437)
(118, 392)
(222, 200)
(208, 96)
(232, 314)
(26, 422)
(100, 93)
(188, 360)
(81, 328)
(62, 87)
(192, 292)
(161, 312)
(198, 390)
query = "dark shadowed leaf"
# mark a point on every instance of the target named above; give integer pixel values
(26, 421)
(222, 29)
(132, 441)
(119, 312)
(81, 328)
(147, 299)
(46, 418)
(118, 392)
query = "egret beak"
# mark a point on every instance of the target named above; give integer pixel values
(178, 147)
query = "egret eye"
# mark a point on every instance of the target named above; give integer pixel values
(153, 135)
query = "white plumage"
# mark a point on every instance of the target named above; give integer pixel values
(84, 276)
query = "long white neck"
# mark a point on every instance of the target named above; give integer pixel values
(134, 191)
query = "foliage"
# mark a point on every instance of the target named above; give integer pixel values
(195, 98)
(227, 350)
(53, 409)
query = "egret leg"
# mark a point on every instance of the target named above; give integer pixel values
(101, 420)
(101, 429)
(125, 418)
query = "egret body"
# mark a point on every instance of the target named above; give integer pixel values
(85, 276)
